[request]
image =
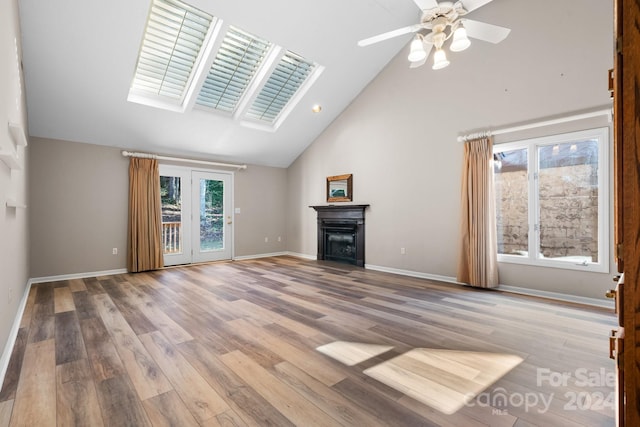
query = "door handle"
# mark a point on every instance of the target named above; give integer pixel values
(616, 343)
(612, 344)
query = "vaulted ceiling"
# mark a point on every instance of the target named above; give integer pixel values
(79, 60)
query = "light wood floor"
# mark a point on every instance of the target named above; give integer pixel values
(236, 343)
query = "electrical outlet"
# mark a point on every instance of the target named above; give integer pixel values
(403, 251)
(115, 251)
(266, 240)
(279, 239)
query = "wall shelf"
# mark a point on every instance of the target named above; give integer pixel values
(10, 158)
(18, 135)
(11, 203)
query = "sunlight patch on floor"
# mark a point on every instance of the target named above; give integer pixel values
(443, 379)
(352, 353)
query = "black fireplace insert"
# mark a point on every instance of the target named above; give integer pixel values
(341, 233)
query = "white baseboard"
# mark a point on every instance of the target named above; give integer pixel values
(286, 253)
(602, 303)
(410, 273)
(303, 256)
(13, 335)
(257, 256)
(77, 276)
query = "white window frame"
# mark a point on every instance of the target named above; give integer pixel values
(533, 257)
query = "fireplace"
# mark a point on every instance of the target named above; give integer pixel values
(341, 233)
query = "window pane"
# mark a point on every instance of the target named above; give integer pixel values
(170, 193)
(211, 215)
(512, 199)
(568, 201)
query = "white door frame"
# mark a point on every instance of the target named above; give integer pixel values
(190, 221)
(227, 216)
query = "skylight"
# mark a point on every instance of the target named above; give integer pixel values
(173, 39)
(290, 73)
(239, 57)
(189, 57)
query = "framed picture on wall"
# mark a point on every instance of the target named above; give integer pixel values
(340, 188)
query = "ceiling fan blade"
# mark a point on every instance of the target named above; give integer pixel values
(390, 35)
(470, 5)
(426, 4)
(483, 31)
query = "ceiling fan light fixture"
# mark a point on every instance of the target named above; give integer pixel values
(460, 40)
(439, 22)
(417, 52)
(439, 60)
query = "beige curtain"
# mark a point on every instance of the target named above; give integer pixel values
(145, 216)
(477, 264)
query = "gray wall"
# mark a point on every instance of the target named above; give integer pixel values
(78, 208)
(261, 196)
(14, 263)
(79, 202)
(398, 138)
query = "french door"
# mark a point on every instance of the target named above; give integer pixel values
(196, 215)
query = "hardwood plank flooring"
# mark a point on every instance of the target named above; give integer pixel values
(10, 385)
(120, 404)
(63, 300)
(168, 409)
(283, 341)
(144, 373)
(196, 393)
(77, 400)
(5, 412)
(35, 402)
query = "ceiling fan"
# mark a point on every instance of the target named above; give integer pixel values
(444, 20)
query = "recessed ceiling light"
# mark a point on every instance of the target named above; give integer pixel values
(316, 108)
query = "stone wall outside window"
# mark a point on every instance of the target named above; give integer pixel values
(568, 211)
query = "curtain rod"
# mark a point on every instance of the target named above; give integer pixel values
(566, 119)
(178, 159)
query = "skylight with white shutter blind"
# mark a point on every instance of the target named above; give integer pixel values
(285, 81)
(189, 57)
(173, 40)
(238, 59)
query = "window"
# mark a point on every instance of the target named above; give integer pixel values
(551, 201)
(171, 47)
(290, 73)
(239, 58)
(250, 79)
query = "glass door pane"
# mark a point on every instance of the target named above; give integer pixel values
(211, 215)
(212, 211)
(175, 207)
(170, 187)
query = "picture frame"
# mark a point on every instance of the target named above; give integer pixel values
(340, 188)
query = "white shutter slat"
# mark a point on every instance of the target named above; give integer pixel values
(170, 49)
(237, 60)
(283, 83)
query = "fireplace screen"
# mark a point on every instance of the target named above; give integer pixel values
(340, 245)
